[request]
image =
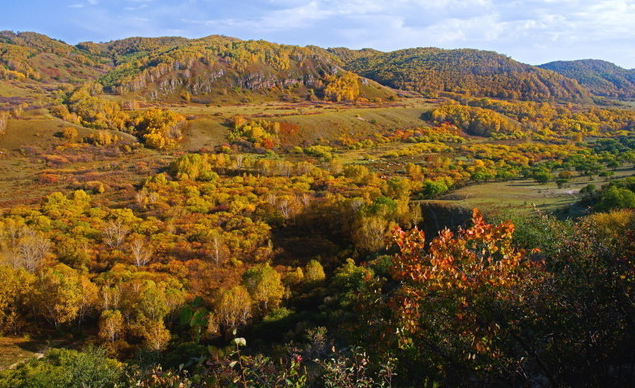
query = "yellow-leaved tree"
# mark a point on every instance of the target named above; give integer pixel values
(342, 87)
(15, 286)
(59, 294)
(160, 128)
(264, 284)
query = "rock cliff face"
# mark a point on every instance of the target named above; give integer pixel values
(200, 66)
(169, 67)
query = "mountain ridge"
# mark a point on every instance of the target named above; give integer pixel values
(181, 68)
(600, 77)
(432, 70)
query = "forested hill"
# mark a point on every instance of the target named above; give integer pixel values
(29, 55)
(599, 77)
(216, 63)
(480, 73)
(180, 68)
(347, 55)
(168, 67)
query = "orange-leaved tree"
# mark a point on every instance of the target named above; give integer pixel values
(461, 300)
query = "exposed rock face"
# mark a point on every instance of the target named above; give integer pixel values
(200, 66)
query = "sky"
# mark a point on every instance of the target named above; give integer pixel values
(530, 31)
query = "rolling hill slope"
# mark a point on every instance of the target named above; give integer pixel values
(480, 73)
(177, 69)
(599, 77)
(29, 55)
(172, 67)
(168, 67)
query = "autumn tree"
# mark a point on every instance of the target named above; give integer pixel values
(4, 119)
(145, 304)
(370, 232)
(586, 311)
(342, 87)
(414, 171)
(15, 287)
(313, 272)
(460, 300)
(58, 294)
(219, 252)
(115, 232)
(89, 298)
(160, 128)
(231, 311)
(156, 335)
(141, 252)
(104, 138)
(111, 325)
(69, 133)
(84, 106)
(474, 120)
(265, 287)
(29, 249)
(259, 133)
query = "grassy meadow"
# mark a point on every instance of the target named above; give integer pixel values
(524, 195)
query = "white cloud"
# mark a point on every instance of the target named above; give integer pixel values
(143, 6)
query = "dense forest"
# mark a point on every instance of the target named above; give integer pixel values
(480, 73)
(225, 213)
(599, 77)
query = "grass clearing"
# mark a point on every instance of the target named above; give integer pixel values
(204, 132)
(37, 128)
(355, 122)
(522, 195)
(34, 161)
(14, 350)
(15, 89)
(317, 121)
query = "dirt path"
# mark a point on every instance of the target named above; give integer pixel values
(35, 355)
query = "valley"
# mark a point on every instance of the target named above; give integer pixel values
(208, 212)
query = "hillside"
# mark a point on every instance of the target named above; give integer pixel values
(347, 55)
(176, 69)
(599, 77)
(216, 65)
(220, 69)
(479, 73)
(216, 213)
(29, 55)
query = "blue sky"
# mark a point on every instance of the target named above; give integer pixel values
(531, 31)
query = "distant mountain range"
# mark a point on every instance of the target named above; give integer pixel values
(173, 67)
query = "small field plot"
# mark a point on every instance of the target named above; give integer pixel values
(523, 194)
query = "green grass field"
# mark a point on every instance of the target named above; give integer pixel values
(523, 195)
